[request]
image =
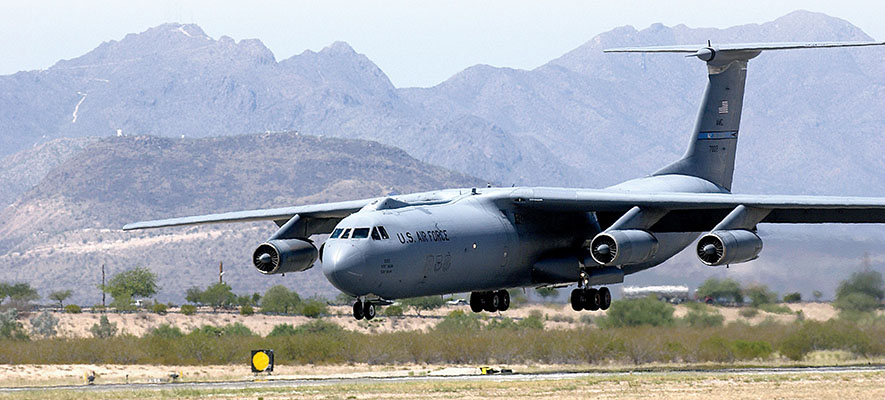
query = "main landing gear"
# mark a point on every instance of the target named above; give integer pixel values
(498, 300)
(591, 299)
(363, 309)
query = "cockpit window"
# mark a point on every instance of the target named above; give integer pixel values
(383, 232)
(360, 233)
(336, 233)
(346, 234)
(375, 234)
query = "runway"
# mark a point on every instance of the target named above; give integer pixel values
(271, 382)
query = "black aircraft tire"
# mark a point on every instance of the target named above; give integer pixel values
(492, 302)
(503, 300)
(575, 299)
(476, 302)
(592, 300)
(369, 311)
(358, 310)
(605, 298)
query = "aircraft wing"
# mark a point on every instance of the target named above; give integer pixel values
(694, 211)
(335, 211)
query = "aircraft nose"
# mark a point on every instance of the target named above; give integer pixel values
(343, 264)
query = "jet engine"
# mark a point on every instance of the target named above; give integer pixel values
(729, 247)
(284, 255)
(623, 247)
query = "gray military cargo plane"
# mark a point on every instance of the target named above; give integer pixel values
(486, 240)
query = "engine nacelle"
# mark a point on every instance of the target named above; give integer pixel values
(729, 247)
(624, 247)
(284, 255)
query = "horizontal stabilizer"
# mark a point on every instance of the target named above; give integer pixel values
(739, 47)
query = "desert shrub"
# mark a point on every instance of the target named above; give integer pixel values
(752, 349)
(829, 335)
(721, 290)
(535, 320)
(236, 329)
(319, 326)
(759, 295)
(502, 323)
(246, 310)
(10, 328)
(188, 309)
(44, 324)
(425, 303)
(635, 312)
(282, 330)
(748, 312)
(793, 297)
(776, 308)
(206, 330)
(715, 348)
(159, 308)
(103, 329)
(313, 308)
(165, 331)
(546, 292)
(73, 309)
(586, 319)
(703, 319)
(393, 311)
(457, 321)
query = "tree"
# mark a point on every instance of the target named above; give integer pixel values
(194, 295)
(19, 294)
(44, 324)
(793, 297)
(817, 295)
(314, 308)
(279, 299)
(136, 282)
(218, 296)
(721, 290)
(423, 303)
(760, 295)
(10, 328)
(862, 292)
(546, 292)
(60, 296)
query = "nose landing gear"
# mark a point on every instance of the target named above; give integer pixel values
(591, 299)
(363, 309)
(498, 300)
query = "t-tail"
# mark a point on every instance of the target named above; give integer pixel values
(713, 143)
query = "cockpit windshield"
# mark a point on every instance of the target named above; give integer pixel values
(336, 233)
(360, 233)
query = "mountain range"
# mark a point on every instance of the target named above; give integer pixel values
(173, 122)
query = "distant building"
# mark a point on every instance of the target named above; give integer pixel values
(672, 294)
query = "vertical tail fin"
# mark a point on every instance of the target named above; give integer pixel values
(713, 144)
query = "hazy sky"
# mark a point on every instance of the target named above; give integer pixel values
(417, 43)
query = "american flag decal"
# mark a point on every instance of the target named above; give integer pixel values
(723, 109)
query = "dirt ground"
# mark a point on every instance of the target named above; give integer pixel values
(558, 316)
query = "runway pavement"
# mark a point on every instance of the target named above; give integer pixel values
(275, 382)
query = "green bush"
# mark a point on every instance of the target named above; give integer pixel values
(314, 308)
(44, 324)
(502, 323)
(748, 312)
(793, 297)
(393, 311)
(724, 290)
(319, 326)
(703, 319)
(635, 312)
(246, 310)
(280, 300)
(73, 309)
(236, 329)
(159, 308)
(165, 331)
(715, 348)
(282, 330)
(103, 329)
(458, 320)
(829, 335)
(10, 328)
(759, 295)
(776, 309)
(752, 349)
(862, 292)
(535, 320)
(425, 303)
(188, 309)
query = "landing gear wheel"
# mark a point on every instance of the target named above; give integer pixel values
(492, 302)
(605, 298)
(503, 300)
(358, 310)
(577, 300)
(368, 311)
(591, 300)
(476, 303)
